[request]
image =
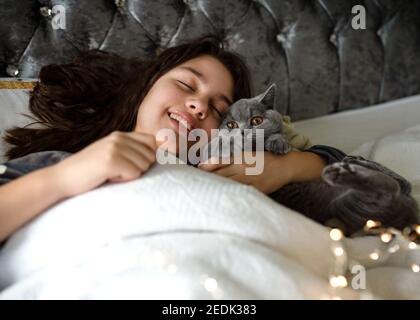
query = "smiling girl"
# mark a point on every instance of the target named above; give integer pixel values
(98, 118)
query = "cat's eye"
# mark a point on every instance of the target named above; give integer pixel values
(257, 120)
(232, 125)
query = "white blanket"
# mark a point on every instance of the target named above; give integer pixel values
(181, 233)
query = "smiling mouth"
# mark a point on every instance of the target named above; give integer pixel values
(180, 121)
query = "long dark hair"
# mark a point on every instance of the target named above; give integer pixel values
(78, 103)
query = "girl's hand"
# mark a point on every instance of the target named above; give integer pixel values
(279, 170)
(274, 175)
(118, 157)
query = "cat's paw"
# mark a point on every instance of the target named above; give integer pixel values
(339, 173)
(277, 144)
(360, 178)
(359, 160)
(353, 159)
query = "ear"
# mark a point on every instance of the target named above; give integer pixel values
(268, 97)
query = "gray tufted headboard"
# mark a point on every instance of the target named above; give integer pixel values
(307, 47)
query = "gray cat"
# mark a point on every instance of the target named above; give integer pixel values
(349, 192)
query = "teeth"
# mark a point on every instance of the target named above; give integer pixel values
(180, 120)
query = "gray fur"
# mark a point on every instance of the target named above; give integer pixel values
(348, 194)
(262, 105)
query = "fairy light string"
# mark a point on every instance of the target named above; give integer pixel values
(340, 276)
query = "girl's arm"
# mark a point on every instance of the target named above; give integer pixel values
(279, 170)
(26, 197)
(304, 166)
(118, 157)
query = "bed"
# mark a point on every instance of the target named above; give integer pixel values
(357, 90)
(153, 239)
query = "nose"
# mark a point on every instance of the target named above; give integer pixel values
(198, 107)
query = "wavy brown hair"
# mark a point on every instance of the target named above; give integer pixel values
(75, 104)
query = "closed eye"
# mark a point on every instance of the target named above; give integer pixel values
(218, 112)
(211, 105)
(186, 85)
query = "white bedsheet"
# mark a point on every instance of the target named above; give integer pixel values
(181, 233)
(348, 130)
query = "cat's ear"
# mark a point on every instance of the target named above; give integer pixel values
(267, 98)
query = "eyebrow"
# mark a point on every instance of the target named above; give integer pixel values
(203, 79)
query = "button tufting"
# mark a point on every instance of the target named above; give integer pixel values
(333, 39)
(119, 3)
(12, 70)
(45, 11)
(3, 169)
(280, 37)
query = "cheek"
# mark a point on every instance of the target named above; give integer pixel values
(160, 102)
(162, 95)
(156, 103)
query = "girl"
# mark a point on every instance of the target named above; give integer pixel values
(100, 115)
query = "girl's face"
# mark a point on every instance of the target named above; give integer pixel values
(197, 93)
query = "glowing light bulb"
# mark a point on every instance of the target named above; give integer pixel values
(394, 249)
(415, 268)
(210, 284)
(338, 282)
(338, 251)
(374, 256)
(412, 245)
(386, 237)
(336, 234)
(372, 224)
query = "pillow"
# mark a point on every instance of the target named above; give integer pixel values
(399, 152)
(13, 102)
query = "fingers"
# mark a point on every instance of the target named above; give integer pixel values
(147, 139)
(214, 163)
(141, 148)
(131, 165)
(138, 158)
(232, 171)
(132, 154)
(142, 143)
(227, 171)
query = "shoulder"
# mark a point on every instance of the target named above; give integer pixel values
(42, 157)
(23, 165)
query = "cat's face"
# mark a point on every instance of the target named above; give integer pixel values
(254, 113)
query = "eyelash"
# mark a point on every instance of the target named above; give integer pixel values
(190, 88)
